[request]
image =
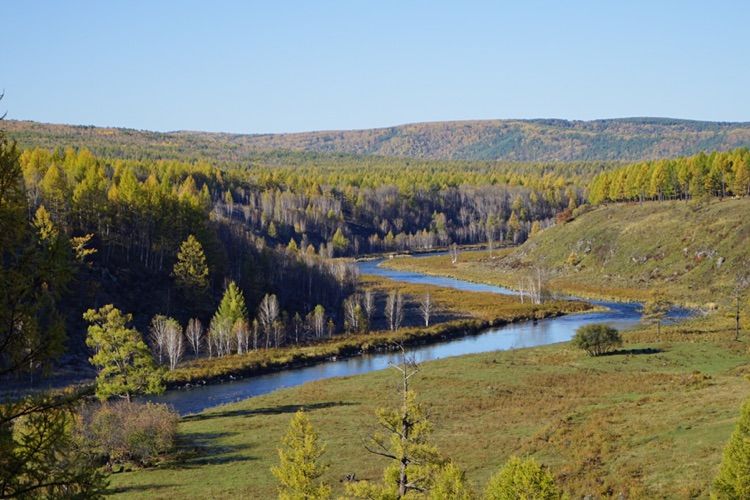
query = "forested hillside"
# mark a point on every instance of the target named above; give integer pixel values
(626, 139)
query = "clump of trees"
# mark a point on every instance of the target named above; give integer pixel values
(39, 456)
(718, 174)
(597, 339)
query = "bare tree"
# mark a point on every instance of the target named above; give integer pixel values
(297, 326)
(319, 320)
(173, 342)
(352, 314)
(220, 337)
(256, 328)
(738, 293)
(425, 307)
(242, 334)
(390, 310)
(279, 332)
(369, 305)
(194, 334)
(394, 310)
(454, 253)
(158, 334)
(534, 286)
(268, 313)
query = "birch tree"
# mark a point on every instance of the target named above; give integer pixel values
(194, 334)
(425, 308)
(268, 313)
(174, 345)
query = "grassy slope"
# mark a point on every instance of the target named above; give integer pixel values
(625, 251)
(651, 424)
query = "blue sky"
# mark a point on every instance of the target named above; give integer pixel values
(280, 66)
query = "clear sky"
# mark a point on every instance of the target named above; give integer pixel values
(279, 66)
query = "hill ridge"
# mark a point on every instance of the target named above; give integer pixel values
(527, 140)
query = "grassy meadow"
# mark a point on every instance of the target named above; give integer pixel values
(649, 421)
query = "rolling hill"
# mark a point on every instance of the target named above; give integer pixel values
(626, 139)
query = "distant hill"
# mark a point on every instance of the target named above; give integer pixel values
(509, 140)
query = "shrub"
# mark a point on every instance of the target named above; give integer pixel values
(128, 431)
(522, 479)
(597, 339)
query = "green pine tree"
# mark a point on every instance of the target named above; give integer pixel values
(414, 462)
(299, 468)
(232, 306)
(126, 366)
(191, 270)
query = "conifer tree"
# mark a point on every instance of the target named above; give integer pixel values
(191, 270)
(125, 363)
(414, 462)
(299, 468)
(733, 480)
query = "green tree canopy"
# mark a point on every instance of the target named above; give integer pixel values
(232, 306)
(597, 339)
(299, 468)
(733, 480)
(191, 270)
(126, 366)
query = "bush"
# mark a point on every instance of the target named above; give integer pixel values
(522, 479)
(597, 339)
(128, 431)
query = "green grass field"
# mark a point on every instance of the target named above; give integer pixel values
(649, 422)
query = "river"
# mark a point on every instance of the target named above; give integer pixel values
(512, 336)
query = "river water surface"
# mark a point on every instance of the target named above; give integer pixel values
(512, 336)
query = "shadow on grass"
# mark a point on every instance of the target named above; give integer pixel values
(197, 449)
(134, 488)
(276, 410)
(634, 352)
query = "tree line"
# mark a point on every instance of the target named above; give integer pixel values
(717, 174)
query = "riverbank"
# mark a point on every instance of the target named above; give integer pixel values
(459, 313)
(478, 266)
